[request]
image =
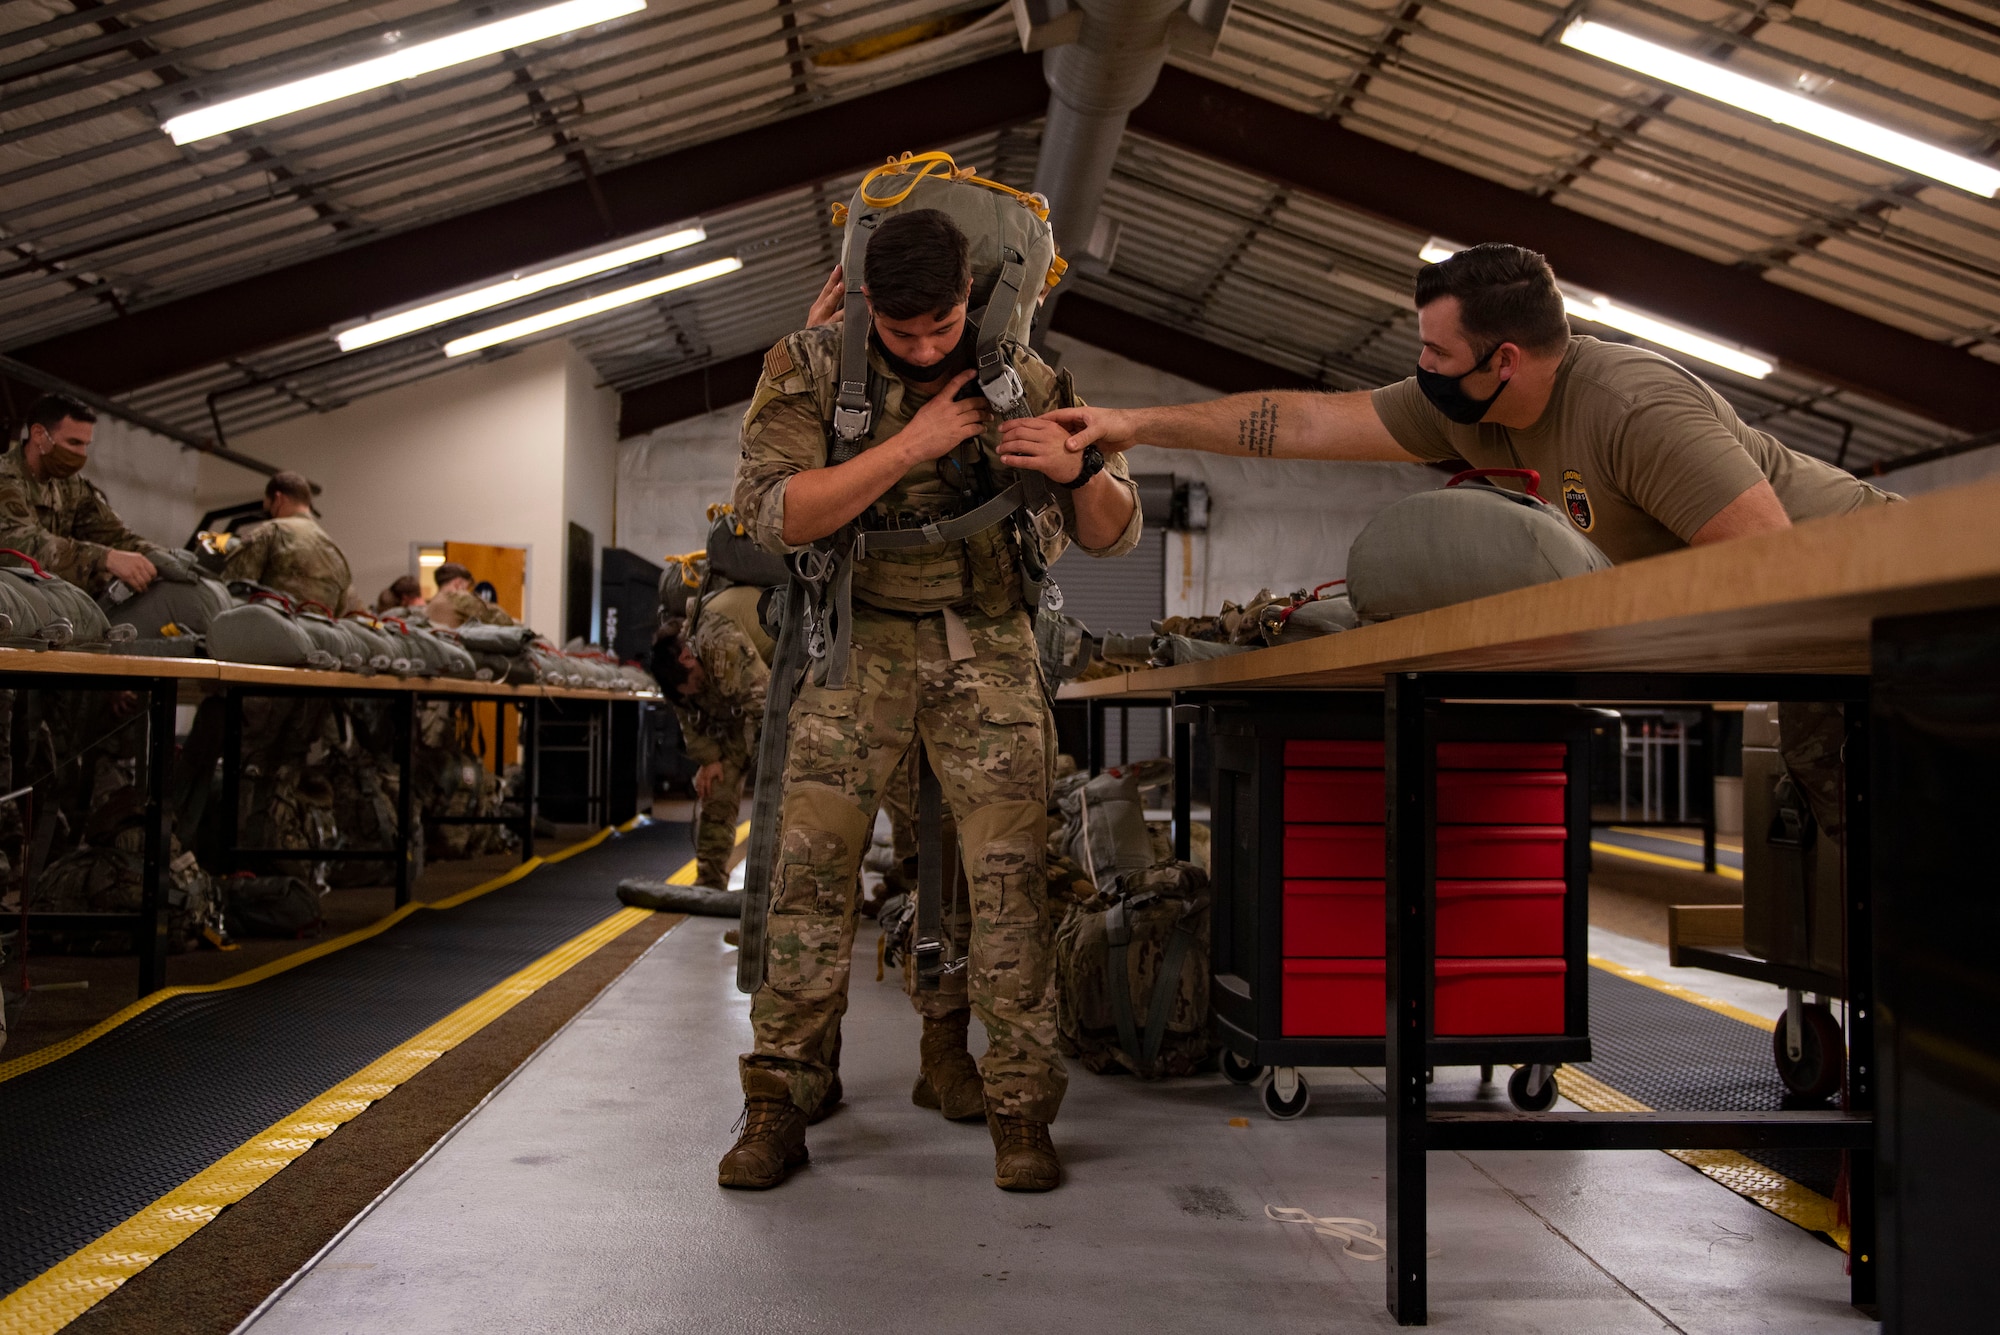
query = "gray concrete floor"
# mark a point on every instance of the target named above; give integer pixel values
(583, 1198)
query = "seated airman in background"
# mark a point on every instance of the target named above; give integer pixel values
(456, 603)
(403, 593)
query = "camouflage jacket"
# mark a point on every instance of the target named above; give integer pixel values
(458, 606)
(721, 720)
(295, 557)
(64, 523)
(785, 432)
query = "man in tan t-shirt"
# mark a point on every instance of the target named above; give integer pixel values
(1642, 455)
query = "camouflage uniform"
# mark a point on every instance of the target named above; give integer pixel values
(455, 607)
(982, 721)
(719, 725)
(295, 557)
(64, 523)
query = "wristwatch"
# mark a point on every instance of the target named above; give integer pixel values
(1093, 464)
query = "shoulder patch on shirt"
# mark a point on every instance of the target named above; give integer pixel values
(1576, 500)
(778, 361)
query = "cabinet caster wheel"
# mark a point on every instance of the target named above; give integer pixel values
(1822, 1053)
(1518, 1085)
(1286, 1094)
(1239, 1070)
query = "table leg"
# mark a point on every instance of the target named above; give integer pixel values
(1711, 743)
(407, 829)
(232, 777)
(1411, 781)
(531, 746)
(153, 932)
(1183, 743)
(1094, 761)
(1860, 1001)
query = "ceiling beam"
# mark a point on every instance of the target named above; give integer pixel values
(155, 343)
(1810, 335)
(727, 383)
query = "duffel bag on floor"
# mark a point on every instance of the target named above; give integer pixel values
(281, 906)
(1132, 975)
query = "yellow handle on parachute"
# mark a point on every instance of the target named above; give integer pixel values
(930, 164)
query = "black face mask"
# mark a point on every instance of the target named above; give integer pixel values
(1447, 396)
(954, 361)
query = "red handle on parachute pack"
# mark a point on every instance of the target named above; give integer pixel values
(1534, 478)
(33, 564)
(1285, 616)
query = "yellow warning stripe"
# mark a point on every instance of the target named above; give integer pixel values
(1662, 860)
(69, 1288)
(1672, 838)
(54, 1051)
(1738, 1172)
(1686, 994)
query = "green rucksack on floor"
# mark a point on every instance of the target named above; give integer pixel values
(271, 906)
(1132, 975)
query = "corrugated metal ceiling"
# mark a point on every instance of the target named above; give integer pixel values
(101, 210)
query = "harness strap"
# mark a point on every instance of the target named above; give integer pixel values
(788, 661)
(956, 529)
(1165, 987)
(853, 411)
(1118, 942)
(927, 945)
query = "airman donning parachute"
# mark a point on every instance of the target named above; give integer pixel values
(997, 548)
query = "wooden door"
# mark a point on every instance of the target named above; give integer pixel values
(506, 569)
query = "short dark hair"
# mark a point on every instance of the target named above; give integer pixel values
(49, 410)
(668, 670)
(1506, 294)
(289, 484)
(450, 571)
(918, 263)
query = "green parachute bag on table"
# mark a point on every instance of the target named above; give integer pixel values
(68, 617)
(1460, 543)
(378, 647)
(330, 639)
(177, 605)
(265, 633)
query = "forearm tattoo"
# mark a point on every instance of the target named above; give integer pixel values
(1258, 433)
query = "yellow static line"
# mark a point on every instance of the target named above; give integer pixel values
(1662, 860)
(1738, 1172)
(72, 1286)
(1675, 838)
(43, 1056)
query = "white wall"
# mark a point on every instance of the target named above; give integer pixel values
(1955, 471)
(475, 455)
(151, 481)
(668, 479)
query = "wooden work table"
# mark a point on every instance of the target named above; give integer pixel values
(1800, 601)
(66, 662)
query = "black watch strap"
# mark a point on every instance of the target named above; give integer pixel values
(1093, 464)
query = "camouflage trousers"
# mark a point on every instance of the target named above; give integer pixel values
(715, 823)
(984, 725)
(899, 799)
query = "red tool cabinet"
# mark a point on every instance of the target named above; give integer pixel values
(1299, 856)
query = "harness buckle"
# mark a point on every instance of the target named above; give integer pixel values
(1004, 391)
(852, 424)
(1047, 523)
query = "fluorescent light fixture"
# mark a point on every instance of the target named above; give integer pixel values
(1580, 304)
(578, 310)
(512, 289)
(1775, 104)
(409, 62)
(1437, 251)
(1604, 311)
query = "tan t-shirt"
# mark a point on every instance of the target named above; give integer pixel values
(1640, 452)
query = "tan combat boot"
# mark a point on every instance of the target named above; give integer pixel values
(1024, 1158)
(773, 1142)
(828, 1102)
(949, 1079)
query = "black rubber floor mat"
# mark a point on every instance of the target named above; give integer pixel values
(1679, 1057)
(89, 1139)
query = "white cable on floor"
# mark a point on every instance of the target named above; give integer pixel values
(1346, 1232)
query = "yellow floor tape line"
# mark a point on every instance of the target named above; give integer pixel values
(66, 1290)
(1722, 845)
(1687, 994)
(71, 1287)
(1738, 1172)
(54, 1051)
(1662, 860)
